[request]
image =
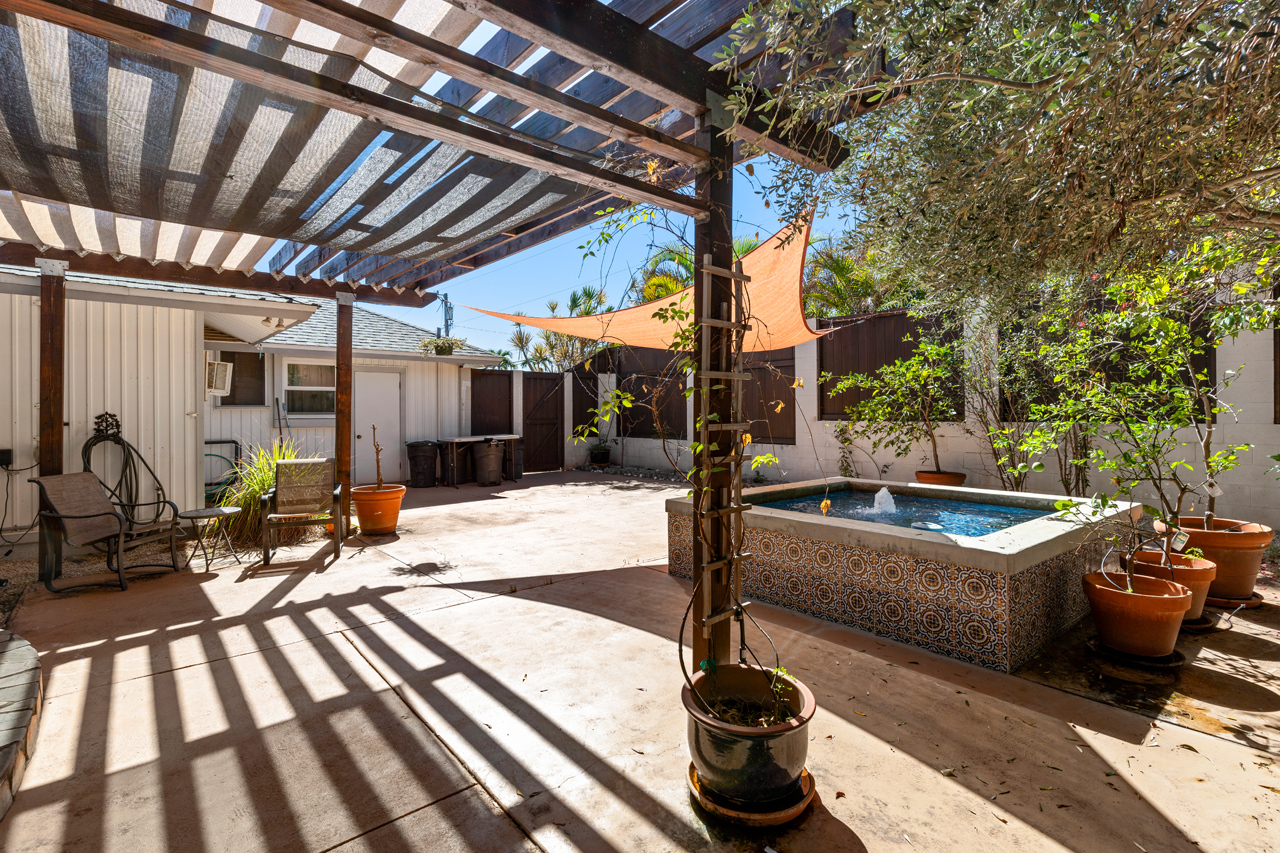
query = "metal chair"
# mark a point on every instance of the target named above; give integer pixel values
(86, 515)
(306, 494)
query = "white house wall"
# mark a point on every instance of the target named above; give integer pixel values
(431, 397)
(1251, 492)
(141, 363)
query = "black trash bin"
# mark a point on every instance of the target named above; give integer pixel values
(513, 461)
(422, 464)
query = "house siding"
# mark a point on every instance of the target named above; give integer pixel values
(141, 363)
(432, 402)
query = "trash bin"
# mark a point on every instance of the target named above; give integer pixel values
(513, 463)
(488, 459)
(422, 464)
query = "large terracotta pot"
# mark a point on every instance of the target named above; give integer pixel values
(378, 509)
(1144, 622)
(1192, 572)
(941, 478)
(756, 769)
(1236, 547)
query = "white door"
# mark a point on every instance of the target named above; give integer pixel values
(377, 401)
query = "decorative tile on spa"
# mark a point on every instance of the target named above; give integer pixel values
(858, 564)
(979, 589)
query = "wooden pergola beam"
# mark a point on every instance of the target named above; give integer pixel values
(594, 35)
(368, 28)
(167, 41)
(22, 254)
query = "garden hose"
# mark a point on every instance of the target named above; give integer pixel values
(106, 429)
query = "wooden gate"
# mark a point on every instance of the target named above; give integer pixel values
(491, 412)
(543, 421)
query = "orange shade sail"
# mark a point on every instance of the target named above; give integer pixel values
(773, 298)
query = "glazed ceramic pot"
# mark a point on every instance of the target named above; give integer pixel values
(941, 478)
(1144, 622)
(1192, 572)
(378, 509)
(1236, 547)
(754, 769)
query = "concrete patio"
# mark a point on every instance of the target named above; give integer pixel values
(502, 676)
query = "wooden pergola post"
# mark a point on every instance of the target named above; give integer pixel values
(53, 323)
(342, 407)
(713, 237)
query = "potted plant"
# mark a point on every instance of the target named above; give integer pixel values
(1181, 312)
(378, 506)
(441, 345)
(748, 734)
(599, 453)
(909, 400)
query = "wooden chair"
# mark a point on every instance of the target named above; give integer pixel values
(86, 515)
(306, 494)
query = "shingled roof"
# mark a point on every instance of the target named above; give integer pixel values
(369, 331)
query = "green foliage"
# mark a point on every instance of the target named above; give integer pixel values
(845, 276)
(555, 350)
(909, 400)
(1135, 378)
(1014, 136)
(507, 363)
(255, 476)
(670, 269)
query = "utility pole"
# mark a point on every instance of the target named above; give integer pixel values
(448, 314)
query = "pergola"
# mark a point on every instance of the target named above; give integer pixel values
(157, 139)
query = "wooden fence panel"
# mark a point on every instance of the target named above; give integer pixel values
(651, 376)
(543, 400)
(491, 402)
(863, 344)
(772, 373)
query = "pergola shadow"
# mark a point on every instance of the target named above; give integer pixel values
(1054, 747)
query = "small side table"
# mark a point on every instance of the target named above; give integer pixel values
(201, 520)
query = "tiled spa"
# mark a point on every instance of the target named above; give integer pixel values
(994, 599)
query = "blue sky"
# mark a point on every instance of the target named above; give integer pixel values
(526, 281)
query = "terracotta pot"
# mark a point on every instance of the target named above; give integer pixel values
(1144, 622)
(1192, 572)
(941, 478)
(600, 457)
(378, 509)
(756, 769)
(1236, 552)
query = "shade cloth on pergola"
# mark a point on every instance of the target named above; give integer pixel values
(776, 270)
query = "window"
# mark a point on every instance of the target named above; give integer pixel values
(248, 379)
(311, 389)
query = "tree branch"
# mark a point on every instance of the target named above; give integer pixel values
(963, 77)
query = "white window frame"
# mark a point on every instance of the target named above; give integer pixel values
(285, 387)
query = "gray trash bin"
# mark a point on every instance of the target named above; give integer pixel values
(487, 456)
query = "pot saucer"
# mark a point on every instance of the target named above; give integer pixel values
(1249, 603)
(1134, 668)
(1209, 623)
(777, 817)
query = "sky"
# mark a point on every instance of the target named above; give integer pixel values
(526, 281)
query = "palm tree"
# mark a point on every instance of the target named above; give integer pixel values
(508, 363)
(847, 278)
(670, 269)
(555, 350)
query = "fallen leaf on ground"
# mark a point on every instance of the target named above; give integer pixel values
(1111, 772)
(637, 751)
(1045, 789)
(997, 817)
(1188, 746)
(839, 794)
(1051, 767)
(1063, 806)
(859, 713)
(950, 771)
(1271, 789)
